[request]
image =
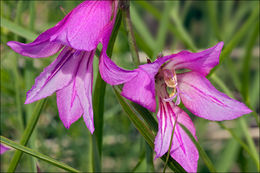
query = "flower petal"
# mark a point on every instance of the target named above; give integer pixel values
(84, 83)
(201, 62)
(3, 148)
(182, 150)
(42, 45)
(56, 76)
(68, 104)
(203, 100)
(111, 73)
(141, 88)
(84, 27)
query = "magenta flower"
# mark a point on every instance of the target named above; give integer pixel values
(192, 88)
(71, 74)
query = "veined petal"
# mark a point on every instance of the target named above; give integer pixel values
(111, 73)
(84, 83)
(68, 104)
(203, 100)
(3, 148)
(201, 62)
(182, 150)
(56, 76)
(84, 27)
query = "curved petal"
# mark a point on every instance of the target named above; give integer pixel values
(68, 104)
(35, 49)
(56, 76)
(141, 88)
(84, 83)
(42, 45)
(111, 73)
(201, 62)
(203, 100)
(182, 150)
(84, 27)
(3, 148)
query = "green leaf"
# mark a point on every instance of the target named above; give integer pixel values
(17, 29)
(27, 134)
(161, 35)
(202, 153)
(36, 154)
(140, 27)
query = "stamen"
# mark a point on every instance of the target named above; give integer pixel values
(170, 78)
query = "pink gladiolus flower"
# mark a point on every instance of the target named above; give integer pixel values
(71, 74)
(3, 148)
(192, 88)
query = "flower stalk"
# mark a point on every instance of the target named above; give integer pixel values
(125, 6)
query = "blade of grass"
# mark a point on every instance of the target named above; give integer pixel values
(27, 133)
(36, 154)
(230, 152)
(161, 34)
(213, 17)
(237, 37)
(246, 63)
(177, 29)
(140, 27)
(17, 29)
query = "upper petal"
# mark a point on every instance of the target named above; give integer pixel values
(203, 100)
(56, 76)
(86, 24)
(182, 150)
(201, 62)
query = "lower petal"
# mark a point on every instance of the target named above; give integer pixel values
(84, 83)
(182, 150)
(204, 100)
(56, 76)
(68, 104)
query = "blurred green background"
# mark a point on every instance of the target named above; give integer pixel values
(160, 27)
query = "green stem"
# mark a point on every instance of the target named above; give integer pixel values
(98, 103)
(27, 134)
(129, 29)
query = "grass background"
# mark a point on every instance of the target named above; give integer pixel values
(160, 27)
